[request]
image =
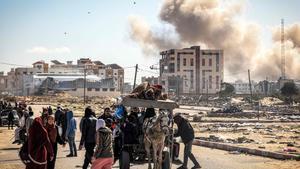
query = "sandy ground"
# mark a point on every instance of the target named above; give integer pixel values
(273, 141)
(208, 158)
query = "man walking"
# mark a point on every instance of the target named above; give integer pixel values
(186, 132)
(10, 119)
(88, 134)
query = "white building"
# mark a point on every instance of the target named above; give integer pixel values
(192, 70)
(241, 87)
(25, 80)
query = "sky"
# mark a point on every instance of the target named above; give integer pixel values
(64, 30)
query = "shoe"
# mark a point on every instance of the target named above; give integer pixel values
(182, 167)
(16, 141)
(196, 167)
(177, 161)
(75, 155)
(69, 155)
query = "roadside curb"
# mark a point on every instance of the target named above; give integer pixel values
(247, 121)
(257, 152)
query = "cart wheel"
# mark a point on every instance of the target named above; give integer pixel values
(166, 160)
(124, 160)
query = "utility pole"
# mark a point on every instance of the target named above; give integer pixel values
(258, 110)
(136, 69)
(84, 86)
(177, 90)
(207, 91)
(283, 76)
(250, 86)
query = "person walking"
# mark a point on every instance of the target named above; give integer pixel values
(54, 138)
(186, 132)
(103, 156)
(88, 133)
(38, 145)
(106, 114)
(57, 115)
(10, 119)
(29, 120)
(70, 133)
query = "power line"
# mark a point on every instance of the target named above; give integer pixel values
(11, 64)
(148, 71)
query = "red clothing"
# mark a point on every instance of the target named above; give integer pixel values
(38, 145)
(52, 132)
(103, 163)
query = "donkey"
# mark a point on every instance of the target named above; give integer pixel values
(155, 130)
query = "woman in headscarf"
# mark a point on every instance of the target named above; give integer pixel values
(55, 138)
(103, 156)
(38, 145)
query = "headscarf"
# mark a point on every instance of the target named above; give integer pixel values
(100, 123)
(88, 112)
(37, 132)
(51, 129)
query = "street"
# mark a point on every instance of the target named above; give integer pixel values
(208, 158)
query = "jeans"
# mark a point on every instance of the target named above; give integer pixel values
(189, 154)
(89, 152)
(72, 145)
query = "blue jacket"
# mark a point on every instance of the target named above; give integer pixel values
(71, 125)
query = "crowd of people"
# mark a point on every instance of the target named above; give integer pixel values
(43, 132)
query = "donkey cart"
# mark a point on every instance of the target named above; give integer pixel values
(155, 136)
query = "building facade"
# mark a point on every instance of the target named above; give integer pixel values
(24, 81)
(3, 83)
(192, 70)
(241, 87)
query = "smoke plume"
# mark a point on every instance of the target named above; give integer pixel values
(270, 64)
(217, 26)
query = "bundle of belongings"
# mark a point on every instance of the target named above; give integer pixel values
(148, 92)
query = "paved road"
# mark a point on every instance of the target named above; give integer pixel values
(208, 158)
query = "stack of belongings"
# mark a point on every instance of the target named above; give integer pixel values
(148, 92)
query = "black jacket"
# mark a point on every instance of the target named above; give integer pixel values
(88, 133)
(185, 131)
(11, 116)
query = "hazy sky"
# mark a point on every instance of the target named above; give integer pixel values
(65, 30)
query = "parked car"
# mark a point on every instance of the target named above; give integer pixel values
(4, 116)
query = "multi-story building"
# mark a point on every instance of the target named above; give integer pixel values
(266, 87)
(3, 83)
(192, 70)
(241, 87)
(117, 73)
(23, 80)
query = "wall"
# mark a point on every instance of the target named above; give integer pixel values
(79, 93)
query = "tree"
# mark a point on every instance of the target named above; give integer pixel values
(227, 90)
(289, 90)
